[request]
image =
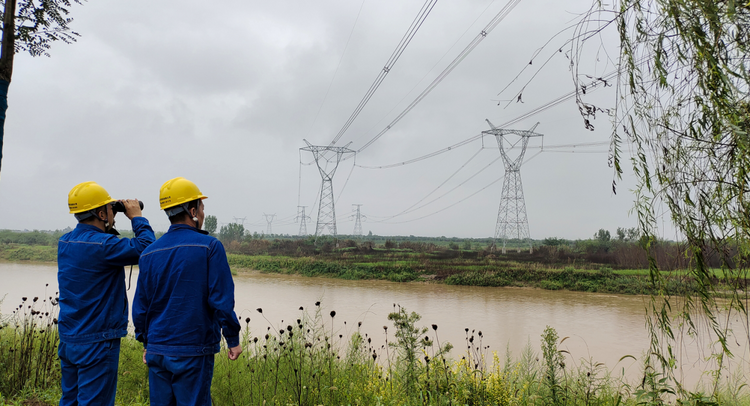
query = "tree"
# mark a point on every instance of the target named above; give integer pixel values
(620, 234)
(231, 232)
(210, 224)
(602, 236)
(683, 90)
(554, 241)
(29, 26)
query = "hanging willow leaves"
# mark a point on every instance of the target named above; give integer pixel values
(683, 112)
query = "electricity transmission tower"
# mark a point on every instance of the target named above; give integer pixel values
(358, 221)
(302, 218)
(511, 216)
(236, 219)
(269, 220)
(327, 158)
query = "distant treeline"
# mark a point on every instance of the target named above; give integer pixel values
(30, 237)
(624, 251)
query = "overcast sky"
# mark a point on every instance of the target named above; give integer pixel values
(224, 95)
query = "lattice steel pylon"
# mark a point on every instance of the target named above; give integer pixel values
(302, 219)
(512, 221)
(358, 220)
(269, 221)
(325, 155)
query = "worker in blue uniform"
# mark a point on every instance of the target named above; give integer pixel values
(184, 299)
(93, 302)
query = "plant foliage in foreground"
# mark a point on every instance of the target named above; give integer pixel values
(311, 362)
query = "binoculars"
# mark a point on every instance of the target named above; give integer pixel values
(118, 207)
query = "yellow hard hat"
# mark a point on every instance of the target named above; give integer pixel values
(178, 191)
(87, 196)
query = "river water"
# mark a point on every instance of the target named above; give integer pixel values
(602, 327)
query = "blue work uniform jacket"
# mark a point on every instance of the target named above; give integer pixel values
(91, 280)
(185, 295)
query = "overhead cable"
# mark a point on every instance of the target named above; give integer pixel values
(544, 107)
(473, 44)
(413, 28)
(460, 201)
(409, 209)
(347, 179)
(444, 194)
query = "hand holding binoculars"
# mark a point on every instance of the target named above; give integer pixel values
(119, 207)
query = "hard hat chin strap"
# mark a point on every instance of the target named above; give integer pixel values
(95, 213)
(109, 229)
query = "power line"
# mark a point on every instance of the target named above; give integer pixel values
(407, 210)
(444, 194)
(347, 179)
(542, 108)
(423, 157)
(460, 201)
(405, 40)
(473, 44)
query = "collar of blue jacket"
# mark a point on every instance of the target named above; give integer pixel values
(175, 227)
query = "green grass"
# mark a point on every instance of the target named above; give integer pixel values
(308, 362)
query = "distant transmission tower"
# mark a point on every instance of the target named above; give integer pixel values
(302, 218)
(511, 216)
(236, 219)
(269, 220)
(325, 156)
(358, 221)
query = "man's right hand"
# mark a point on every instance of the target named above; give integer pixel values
(132, 208)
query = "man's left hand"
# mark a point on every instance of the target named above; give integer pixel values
(132, 208)
(235, 352)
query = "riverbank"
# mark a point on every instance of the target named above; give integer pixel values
(30, 253)
(405, 266)
(488, 272)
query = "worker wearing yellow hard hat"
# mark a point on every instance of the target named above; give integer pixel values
(177, 195)
(184, 281)
(93, 302)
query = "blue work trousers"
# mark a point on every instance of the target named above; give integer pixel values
(178, 381)
(89, 373)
